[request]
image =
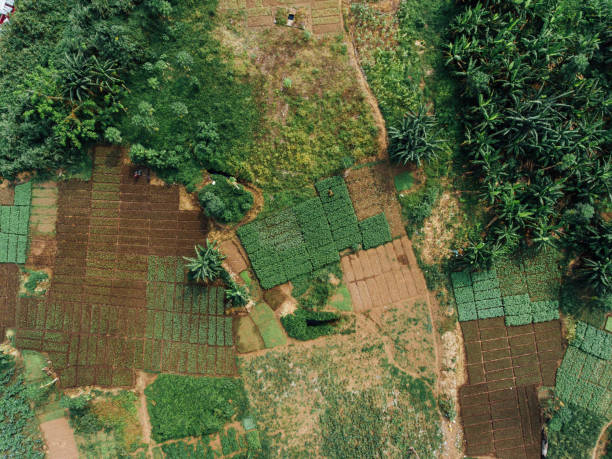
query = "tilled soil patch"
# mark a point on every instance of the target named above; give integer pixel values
(95, 323)
(383, 276)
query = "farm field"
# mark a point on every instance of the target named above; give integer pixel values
(118, 299)
(252, 229)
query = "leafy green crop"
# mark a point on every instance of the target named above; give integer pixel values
(181, 406)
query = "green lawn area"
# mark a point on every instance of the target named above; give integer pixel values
(342, 299)
(269, 328)
(404, 181)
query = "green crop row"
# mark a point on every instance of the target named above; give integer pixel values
(14, 219)
(166, 269)
(316, 233)
(13, 248)
(340, 213)
(520, 310)
(375, 231)
(23, 194)
(593, 341)
(586, 381)
(294, 242)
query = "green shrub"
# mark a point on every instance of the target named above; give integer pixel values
(206, 265)
(225, 200)
(19, 436)
(305, 325)
(418, 205)
(572, 433)
(182, 406)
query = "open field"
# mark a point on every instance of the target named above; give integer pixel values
(340, 397)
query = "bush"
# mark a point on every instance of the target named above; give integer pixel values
(305, 325)
(572, 433)
(182, 406)
(417, 206)
(206, 265)
(413, 140)
(225, 200)
(18, 434)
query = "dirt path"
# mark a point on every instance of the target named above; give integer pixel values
(142, 381)
(361, 78)
(598, 450)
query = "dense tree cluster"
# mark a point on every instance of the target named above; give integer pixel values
(537, 125)
(61, 79)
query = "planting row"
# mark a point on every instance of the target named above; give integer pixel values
(594, 341)
(186, 298)
(309, 236)
(586, 381)
(193, 329)
(480, 295)
(340, 212)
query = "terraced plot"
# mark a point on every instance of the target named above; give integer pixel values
(9, 281)
(505, 357)
(95, 322)
(504, 423)
(320, 16)
(499, 408)
(384, 276)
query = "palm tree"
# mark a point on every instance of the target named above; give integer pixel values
(206, 265)
(237, 294)
(413, 140)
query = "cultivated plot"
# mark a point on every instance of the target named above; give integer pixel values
(99, 319)
(386, 275)
(320, 16)
(9, 282)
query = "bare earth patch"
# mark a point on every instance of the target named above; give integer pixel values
(59, 439)
(439, 230)
(372, 192)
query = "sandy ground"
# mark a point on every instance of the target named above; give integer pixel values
(59, 439)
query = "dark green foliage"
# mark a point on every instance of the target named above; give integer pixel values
(181, 406)
(375, 231)
(594, 341)
(537, 126)
(305, 325)
(572, 433)
(19, 436)
(61, 78)
(206, 265)
(413, 140)
(417, 205)
(187, 108)
(226, 200)
(82, 418)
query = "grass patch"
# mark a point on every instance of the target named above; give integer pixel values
(268, 326)
(344, 393)
(182, 406)
(609, 324)
(404, 181)
(341, 300)
(307, 128)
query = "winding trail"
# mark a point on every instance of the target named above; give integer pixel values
(598, 449)
(369, 95)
